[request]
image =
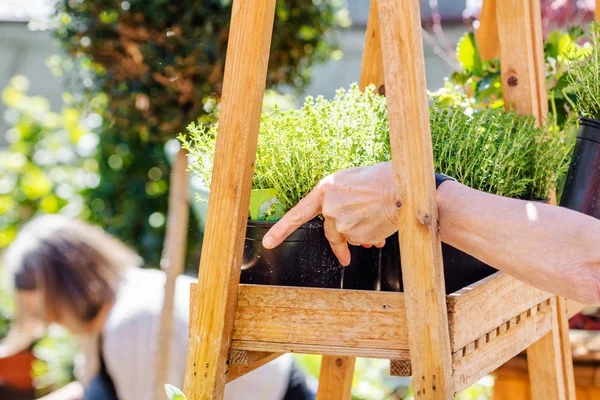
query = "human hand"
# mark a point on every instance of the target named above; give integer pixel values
(358, 205)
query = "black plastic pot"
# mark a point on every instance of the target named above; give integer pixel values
(460, 269)
(582, 185)
(305, 259)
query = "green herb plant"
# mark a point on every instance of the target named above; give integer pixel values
(488, 149)
(584, 75)
(496, 151)
(297, 148)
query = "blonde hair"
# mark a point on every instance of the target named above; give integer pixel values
(77, 266)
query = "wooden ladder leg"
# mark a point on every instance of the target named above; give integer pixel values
(487, 33)
(335, 378)
(173, 263)
(548, 369)
(243, 90)
(412, 158)
(524, 87)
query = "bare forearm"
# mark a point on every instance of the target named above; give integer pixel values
(552, 248)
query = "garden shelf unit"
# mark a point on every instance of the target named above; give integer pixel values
(446, 342)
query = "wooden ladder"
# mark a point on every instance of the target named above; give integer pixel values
(446, 342)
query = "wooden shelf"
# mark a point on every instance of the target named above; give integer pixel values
(490, 322)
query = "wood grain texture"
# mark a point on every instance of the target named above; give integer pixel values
(241, 362)
(587, 375)
(400, 368)
(521, 56)
(487, 33)
(501, 347)
(219, 271)
(487, 304)
(412, 159)
(539, 64)
(547, 373)
(319, 321)
(335, 378)
(372, 61)
(173, 263)
(565, 347)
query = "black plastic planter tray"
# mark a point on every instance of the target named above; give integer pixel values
(582, 185)
(305, 259)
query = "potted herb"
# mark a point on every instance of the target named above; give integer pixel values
(296, 149)
(488, 150)
(493, 151)
(582, 186)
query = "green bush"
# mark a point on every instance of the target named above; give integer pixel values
(49, 160)
(488, 149)
(157, 61)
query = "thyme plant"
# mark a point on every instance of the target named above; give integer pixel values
(584, 75)
(488, 150)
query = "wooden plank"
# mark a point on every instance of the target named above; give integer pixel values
(219, 271)
(487, 304)
(487, 33)
(544, 358)
(400, 368)
(173, 263)
(241, 362)
(330, 350)
(565, 347)
(475, 365)
(372, 61)
(281, 319)
(539, 64)
(335, 379)
(523, 82)
(412, 158)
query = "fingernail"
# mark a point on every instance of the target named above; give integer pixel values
(268, 242)
(367, 246)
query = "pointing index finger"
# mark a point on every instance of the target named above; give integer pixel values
(306, 209)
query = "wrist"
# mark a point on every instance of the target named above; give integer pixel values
(441, 178)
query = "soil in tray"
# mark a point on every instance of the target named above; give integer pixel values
(305, 259)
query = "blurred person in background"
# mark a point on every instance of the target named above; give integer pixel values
(73, 274)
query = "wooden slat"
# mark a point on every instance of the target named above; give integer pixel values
(241, 362)
(319, 321)
(243, 91)
(173, 263)
(565, 346)
(487, 33)
(372, 61)
(544, 359)
(335, 379)
(412, 158)
(501, 348)
(487, 304)
(523, 82)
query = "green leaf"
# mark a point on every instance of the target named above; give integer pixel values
(173, 393)
(468, 55)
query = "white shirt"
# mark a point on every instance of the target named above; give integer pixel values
(131, 329)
